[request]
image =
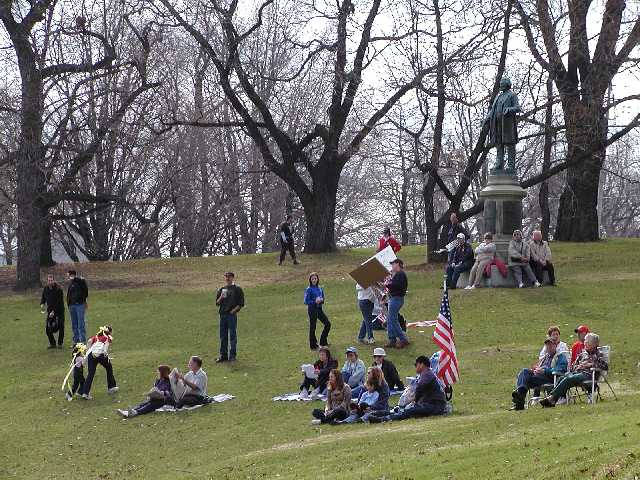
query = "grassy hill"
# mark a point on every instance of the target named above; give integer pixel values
(163, 311)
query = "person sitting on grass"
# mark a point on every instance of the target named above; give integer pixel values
(553, 363)
(366, 400)
(98, 348)
(485, 253)
(519, 256)
(354, 369)
(461, 261)
(388, 369)
(561, 347)
(590, 359)
(189, 389)
(429, 396)
(578, 345)
(158, 396)
(338, 400)
(315, 387)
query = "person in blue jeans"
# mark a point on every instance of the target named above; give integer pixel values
(314, 300)
(366, 302)
(396, 290)
(230, 299)
(77, 294)
(429, 399)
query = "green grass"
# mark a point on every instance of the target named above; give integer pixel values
(173, 316)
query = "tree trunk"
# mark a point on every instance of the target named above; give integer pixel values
(320, 219)
(46, 255)
(543, 194)
(578, 210)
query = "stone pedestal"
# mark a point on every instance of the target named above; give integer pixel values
(502, 214)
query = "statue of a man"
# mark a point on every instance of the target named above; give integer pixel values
(503, 131)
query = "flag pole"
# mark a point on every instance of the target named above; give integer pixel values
(445, 282)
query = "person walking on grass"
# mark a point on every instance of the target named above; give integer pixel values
(52, 304)
(77, 295)
(314, 300)
(286, 240)
(230, 299)
(397, 289)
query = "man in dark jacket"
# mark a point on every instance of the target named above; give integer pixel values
(286, 241)
(388, 369)
(52, 302)
(77, 294)
(429, 399)
(396, 291)
(453, 229)
(461, 261)
(230, 299)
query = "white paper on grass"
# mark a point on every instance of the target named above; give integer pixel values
(385, 257)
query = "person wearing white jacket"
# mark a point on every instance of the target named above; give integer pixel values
(366, 302)
(485, 253)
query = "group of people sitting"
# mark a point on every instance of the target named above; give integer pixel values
(356, 394)
(558, 370)
(530, 259)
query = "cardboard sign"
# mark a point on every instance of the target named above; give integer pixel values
(369, 273)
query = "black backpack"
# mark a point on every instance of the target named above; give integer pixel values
(53, 324)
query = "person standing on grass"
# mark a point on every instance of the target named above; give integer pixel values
(98, 353)
(286, 240)
(314, 300)
(230, 299)
(52, 303)
(366, 302)
(397, 289)
(77, 294)
(338, 401)
(388, 240)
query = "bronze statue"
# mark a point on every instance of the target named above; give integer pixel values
(503, 131)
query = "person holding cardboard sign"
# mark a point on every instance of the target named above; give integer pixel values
(396, 290)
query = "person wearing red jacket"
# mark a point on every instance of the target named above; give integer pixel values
(577, 347)
(387, 240)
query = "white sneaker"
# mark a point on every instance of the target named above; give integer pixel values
(562, 401)
(521, 285)
(124, 413)
(371, 341)
(68, 396)
(112, 390)
(469, 287)
(316, 421)
(304, 394)
(537, 284)
(86, 396)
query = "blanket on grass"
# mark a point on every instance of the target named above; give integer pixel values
(221, 397)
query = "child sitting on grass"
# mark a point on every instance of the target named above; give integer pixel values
(158, 396)
(368, 398)
(77, 366)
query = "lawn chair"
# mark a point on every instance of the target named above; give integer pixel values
(547, 387)
(588, 387)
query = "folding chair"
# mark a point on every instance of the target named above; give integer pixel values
(593, 385)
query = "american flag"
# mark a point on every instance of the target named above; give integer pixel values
(443, 336)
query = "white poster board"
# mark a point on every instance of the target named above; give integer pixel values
(385, 257)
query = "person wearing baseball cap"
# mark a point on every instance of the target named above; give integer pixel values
(461, 261)
(353, 370)
(388, 369)
(396, 290)
(578, 346)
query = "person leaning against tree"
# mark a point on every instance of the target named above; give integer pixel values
(230, 299)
